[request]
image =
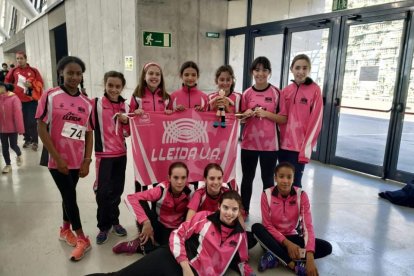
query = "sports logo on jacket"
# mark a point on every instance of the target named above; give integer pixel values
(185, 130)
(71, 117)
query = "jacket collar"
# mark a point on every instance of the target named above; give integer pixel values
(307, 81)
(120, 99)
(275, 191)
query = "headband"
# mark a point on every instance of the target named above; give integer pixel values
(151, 63)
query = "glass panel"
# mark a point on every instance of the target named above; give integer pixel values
(314, 44)
(236, 59)
(271, 47)
(405, 157)
(275, 10)
(352, 4)
(369, 80)
(237, 14)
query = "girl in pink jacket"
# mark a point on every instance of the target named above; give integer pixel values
(11, 124)
(169, 207)
(304, 106)
(189, 96)
(286, 229)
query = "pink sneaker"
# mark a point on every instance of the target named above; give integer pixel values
(128, 247)
(82, 246)
(67, 236)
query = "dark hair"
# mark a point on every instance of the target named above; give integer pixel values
(11, 65)
(139, 91)
(189, 64)
(227, 68)
(178, 164)
(284, 165)
(212, 166)
(4, 64)
(264, 61)
(21, 53)
(299, 57)
(70, 59)
(231, 195)
(114, 74)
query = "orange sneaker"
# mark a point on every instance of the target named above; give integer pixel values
(82, 246)
(67, 236)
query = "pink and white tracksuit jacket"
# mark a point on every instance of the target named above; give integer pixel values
(171, 210)
(150, 101)
(234, 96)
(11, 115)
(282, 217)
(209, 246)
(304, 106)
(189, 97)
(109, 141)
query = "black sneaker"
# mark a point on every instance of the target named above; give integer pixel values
(35, 146)
(26, 144)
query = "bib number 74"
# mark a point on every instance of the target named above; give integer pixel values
(73, 131)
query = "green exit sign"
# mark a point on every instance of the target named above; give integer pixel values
(155, 39)
(212, 35)
(339, 5)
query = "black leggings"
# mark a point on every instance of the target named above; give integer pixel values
(30, 124)
(7, 138)
(160, 262)
(161, 233)
(110, 186)
(249, 160)
(322, 247)
(67, 188)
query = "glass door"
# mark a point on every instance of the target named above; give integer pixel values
(364, 100)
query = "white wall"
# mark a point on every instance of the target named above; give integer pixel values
(101, 33)
(38, 49)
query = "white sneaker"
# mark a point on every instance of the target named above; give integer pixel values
(19, 161)
(7, 169)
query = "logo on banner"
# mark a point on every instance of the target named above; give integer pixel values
(185, 130)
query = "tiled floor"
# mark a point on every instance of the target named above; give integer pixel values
(369, 235)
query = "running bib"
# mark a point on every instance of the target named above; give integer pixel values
(73, 131)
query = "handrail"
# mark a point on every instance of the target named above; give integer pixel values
(366, 109)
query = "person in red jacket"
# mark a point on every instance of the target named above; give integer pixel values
(11, 124)
(286, 229)
(304, 106)
(188, 96)
(110, 129)
(28, 86)
(204, 246)
(170, 200)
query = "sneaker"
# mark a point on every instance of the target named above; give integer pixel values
(300, 268)
(6, 169)
(268, 260)
(67, 236)
(82, 246)
(19, 161)
(102, 237)
(119, 230)
(26, 144)
(35, 146)
(128, 247)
